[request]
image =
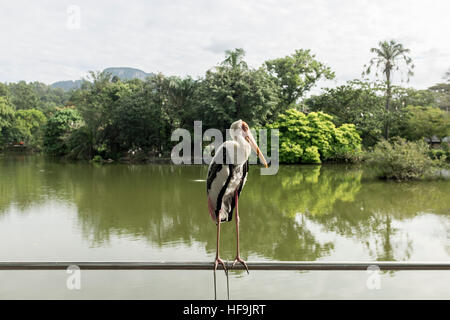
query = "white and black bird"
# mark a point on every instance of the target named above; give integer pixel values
(227, 174)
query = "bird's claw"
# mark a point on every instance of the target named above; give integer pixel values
(216, 263)
(238, 258)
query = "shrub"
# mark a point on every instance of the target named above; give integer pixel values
(292, 153)
(402, 160)
(311, 155)
(314, 138)
(97, 158)
(442, 155)
(436, 153)
(347, 144)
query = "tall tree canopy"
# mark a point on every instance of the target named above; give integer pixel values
(232, 90)
(442, 91)
(426, 122)
(356, 102)
(6, 118)
(297, 74)
(114, 118)
(389, 57)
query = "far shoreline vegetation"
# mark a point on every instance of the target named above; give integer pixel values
(403, 131)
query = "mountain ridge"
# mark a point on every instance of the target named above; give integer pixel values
(124, 73)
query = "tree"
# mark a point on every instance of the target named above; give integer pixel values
(23, 96)
(297, 74)
(233, 91)
(136, 120)
(388, 58)
(34, 95)
(27, 127)
(4, 90)
(6, 118)
(442, 91)
(120, 116)
(402, 97)
(356, 102)
(426, 122)
(182, 101)
(94, 102)
(49, 98)
(58, 130)
(174, 97)
(235, 59)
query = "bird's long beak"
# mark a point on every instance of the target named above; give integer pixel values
(251, 140)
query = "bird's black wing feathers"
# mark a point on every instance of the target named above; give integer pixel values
(244, 176)
(222, 192)
(212, 173)
(215, 168)
(241, 185)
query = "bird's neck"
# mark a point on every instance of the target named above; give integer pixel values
(244, 149)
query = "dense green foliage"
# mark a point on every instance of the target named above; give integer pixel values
(21, 126)
(402, 159)
(109, 117)
(425, 122)
(442, 92)
(59, 129)
(6, 119)
(24, 109)
(235, 91)
(35, 95)
(356, 102)
(314, 138)
(27, 127)
(297, 74)
(363, 104)
(135, 116)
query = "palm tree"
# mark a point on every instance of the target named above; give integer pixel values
(389, 57)
(234, 58)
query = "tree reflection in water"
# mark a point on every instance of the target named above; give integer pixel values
(166, 205)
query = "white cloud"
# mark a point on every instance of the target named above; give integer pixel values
(189, 37)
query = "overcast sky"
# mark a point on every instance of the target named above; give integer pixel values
(42, 40)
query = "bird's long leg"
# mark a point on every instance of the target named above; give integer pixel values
(218, 260)
(238, 257)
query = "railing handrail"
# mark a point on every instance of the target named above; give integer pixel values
(207, 265)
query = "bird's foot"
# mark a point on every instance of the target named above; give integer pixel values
(238, 259)
(216, 263)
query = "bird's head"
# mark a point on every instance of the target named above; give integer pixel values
(241, 128)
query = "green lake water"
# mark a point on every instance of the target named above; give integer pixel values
(53, 210)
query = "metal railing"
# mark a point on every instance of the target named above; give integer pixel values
(205, 265)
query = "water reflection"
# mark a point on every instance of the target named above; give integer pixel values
(283, 217)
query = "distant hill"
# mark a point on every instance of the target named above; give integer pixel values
(124, 73)
(128, 73)
(68, 84)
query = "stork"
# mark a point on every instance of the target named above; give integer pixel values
(227, 174)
